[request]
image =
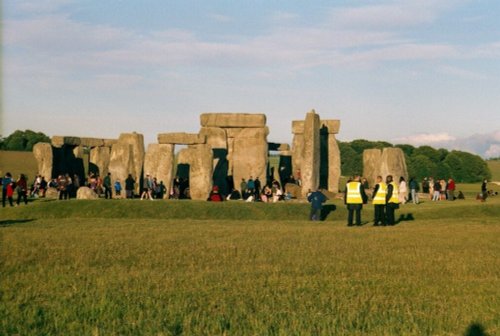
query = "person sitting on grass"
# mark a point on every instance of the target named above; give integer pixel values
(215, 196)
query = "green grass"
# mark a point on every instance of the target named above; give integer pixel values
(199, 268)
(18, 163)
(494, 166)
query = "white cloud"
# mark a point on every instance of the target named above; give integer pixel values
(486, 145)
(426, 139)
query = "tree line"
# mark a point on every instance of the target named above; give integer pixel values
(423, 161)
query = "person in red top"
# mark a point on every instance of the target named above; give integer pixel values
(215, 196)
(10, 192)
(22, 189)
(450, 190)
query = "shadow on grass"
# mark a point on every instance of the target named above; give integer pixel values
(325, 211)
(405, 218)
(9, 222)
(475, 329)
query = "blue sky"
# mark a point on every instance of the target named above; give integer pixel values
(417, 72)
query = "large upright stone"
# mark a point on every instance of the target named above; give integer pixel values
(100, 157)
(233, 120)
(371, 164)
(199, 158)
(250, 154)
(44, 158)
(334, 164)
(159, 163)
(389, 161)
(121, 163)
(297, 153)
(136, 141)
(215, 137)
(311, 161)
(393, 163)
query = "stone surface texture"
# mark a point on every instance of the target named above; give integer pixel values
(100, 156)
(334, 164)
(136, 142)
(231, 120)
(159, 163)
(199, 158)
(44, 158)
(181, 138)
(121, 163)
(86, 193)
(250, 154)
(311, 160)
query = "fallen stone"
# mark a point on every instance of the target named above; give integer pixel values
(86, 193)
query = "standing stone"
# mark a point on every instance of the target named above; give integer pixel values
(215, 137)
(136, 141)
(297, 153)
(371, 164)
(250, 154)
(100, 156)
(121, 163)
(393, 163)
(159, 163)
(199, 158)
(334, 164)
(43, 154)
(311, 162)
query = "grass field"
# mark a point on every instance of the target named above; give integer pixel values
(494, 166)
(126, 267)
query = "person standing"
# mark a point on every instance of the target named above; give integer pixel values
(379, 201)
(316, 199)
(22, 189)
(243, 185)
(484, 190)
(414, 190)
(437, 191)
(450, 189)
(5, 183)
(107, 186)
(62, 185)
(354, 198)
(403, 190)
(392, 200)
(129, 186)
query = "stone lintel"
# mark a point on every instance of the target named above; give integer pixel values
(59, 141)
(233, 120)
(109, 142)
(181, 138)
(91, 142)
(286, 153)
(332, 126)
(278, 146)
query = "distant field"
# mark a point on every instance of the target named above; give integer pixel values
(494, 166)
(126, 267)
(18, 163)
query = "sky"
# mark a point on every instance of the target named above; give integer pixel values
(418, 72)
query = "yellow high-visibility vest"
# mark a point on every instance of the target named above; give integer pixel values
(353, 193)
(379, 197)
(395, 194)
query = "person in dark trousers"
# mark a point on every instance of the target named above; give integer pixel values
(22, 189)
(5, 183)
(316, 199)
(354, 198)
(484, 190)
(129, 186)
(378, 201)
(392, 200)
(107, 186)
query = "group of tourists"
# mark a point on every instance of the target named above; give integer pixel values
(251, 190)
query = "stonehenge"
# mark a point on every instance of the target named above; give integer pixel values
(229, 147)
(315, 153)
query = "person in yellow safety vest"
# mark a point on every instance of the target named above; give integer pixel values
(379, 202)
(354, 198)
(392, 199)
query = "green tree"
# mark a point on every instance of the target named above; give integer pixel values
(467, 167)
(433, 154)
(421, 166)
(407, 149)
(23, 141)
(351, 161)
